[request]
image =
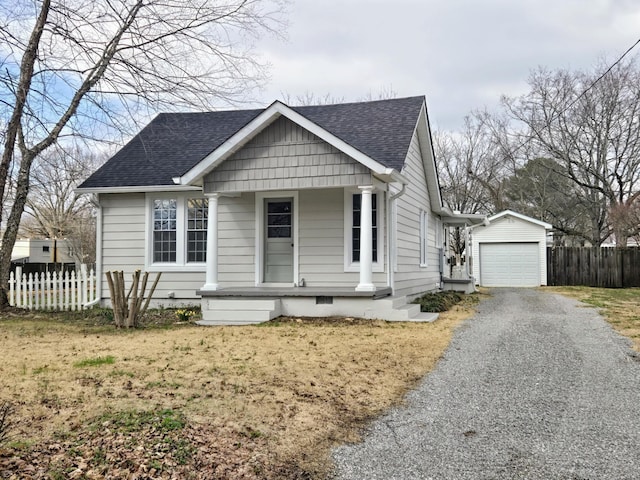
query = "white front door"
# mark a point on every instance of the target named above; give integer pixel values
(278, 238)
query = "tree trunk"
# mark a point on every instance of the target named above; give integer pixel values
(13, 223)
(129, 309)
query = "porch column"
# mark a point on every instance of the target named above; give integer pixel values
(212, 244)
(467, 251)
(366, 242)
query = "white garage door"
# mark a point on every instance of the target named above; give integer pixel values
(509, 264)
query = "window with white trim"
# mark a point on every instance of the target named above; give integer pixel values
(352, 206)
(164, 230)
(197, 212)
(178, 230)
(424, 234)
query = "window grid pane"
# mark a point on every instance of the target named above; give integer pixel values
(164, 230)
(197, 214)
(355, 230)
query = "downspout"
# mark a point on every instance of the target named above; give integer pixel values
(392, 235)
(98, 285)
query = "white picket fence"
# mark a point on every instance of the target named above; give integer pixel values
(52, 290)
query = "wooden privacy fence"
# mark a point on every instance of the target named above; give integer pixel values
(52, 290)
(593, 266)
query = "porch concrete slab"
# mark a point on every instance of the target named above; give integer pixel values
(294, 292)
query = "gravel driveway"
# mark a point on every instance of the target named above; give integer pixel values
(535, 386)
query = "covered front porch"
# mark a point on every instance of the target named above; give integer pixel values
(315, 238)
(293, 252)
(457, 259)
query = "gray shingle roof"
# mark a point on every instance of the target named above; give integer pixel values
(173, 143)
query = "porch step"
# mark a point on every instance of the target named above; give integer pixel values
(228, 311)
(397, 309)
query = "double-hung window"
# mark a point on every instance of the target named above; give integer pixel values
(353, 231)
(197, 211)
(165, 229)
(178, 229)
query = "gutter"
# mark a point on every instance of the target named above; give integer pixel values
(392, 233)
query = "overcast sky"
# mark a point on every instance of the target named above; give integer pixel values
(461, 54)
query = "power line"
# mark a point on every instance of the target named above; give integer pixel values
(582, 94)
(593, 84)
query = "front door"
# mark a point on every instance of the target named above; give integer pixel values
(278, 258)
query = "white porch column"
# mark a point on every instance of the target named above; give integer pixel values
(212, 244)
(366, 242)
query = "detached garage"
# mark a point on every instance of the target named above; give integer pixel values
(510, 251)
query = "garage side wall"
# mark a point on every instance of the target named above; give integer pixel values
(510, 230)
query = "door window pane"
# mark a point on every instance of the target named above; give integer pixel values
(279, 219)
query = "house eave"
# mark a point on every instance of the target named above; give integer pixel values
(138, 189)
(391, 175)
(462, 219)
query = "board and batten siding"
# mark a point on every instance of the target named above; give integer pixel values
(410, 278)
(285, 156)
(123, 248)
(321, 238)
(509, 229)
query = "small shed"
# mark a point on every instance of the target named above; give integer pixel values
(510, 251)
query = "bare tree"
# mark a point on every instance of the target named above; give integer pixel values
(472, 165)
(76, 68)
(310, 98)
(472, 168)
(590, 124)
(540, 189)
(53, 209)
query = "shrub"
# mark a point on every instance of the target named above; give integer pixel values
(185, 314)
(438, 301)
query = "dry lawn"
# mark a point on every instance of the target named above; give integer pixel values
(621, 307)
(264, 401)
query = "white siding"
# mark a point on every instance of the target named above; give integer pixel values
(236, 241)
(321, 231)
(286, 157)
(123, 248)
(510, 229)
(410, 278)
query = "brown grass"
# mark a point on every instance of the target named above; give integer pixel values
(300, 386)
(621, 307)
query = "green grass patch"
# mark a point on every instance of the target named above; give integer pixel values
(127, 421)
(39, 370)
(439, 301)
(95, 362)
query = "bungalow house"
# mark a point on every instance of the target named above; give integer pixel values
(310, 211)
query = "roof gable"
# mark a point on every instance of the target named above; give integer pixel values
(187, 145)
(511, 213)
